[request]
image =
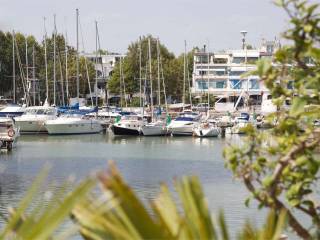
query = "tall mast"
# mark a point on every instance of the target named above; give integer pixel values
(188, 80)
(96, 82)
(184, 73)
(77, 10)
(208, 82)
(140, 80)
(13, 68)
(66, 52)
(103, 73)
(120, 76)
(54, 60)
(150, 77)
(45, 59)
(158, 59)
(27, 71)
(33, 77)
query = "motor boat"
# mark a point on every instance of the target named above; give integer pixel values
(184, 124)
(73, 123)
(206, 129)
(130, 124)
(157, 128)
(12, 110)
(9, 133)
(239, 124)
(33, 119)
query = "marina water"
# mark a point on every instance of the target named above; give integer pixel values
(144, 162)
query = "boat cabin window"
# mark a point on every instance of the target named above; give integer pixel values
(30, 111)
(41, 111)
(50, 112)
(184, 119)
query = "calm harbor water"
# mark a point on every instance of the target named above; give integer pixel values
(144, 162)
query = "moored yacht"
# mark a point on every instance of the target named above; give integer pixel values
(157, 128)
(73, 123)
(9, 133)
(128, 125)
(12, 110)
(32, 121)
(206, 129)
(240, 123)
(183, 125)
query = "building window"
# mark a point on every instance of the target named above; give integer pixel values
(236, 84)
(238, 60)
(236, 73)
(202, 84)
(201, 59)
(221, 84)
(254, 84)
(202, 73)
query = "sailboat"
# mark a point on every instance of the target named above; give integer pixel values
(157, 127)
(184, 124)
(207, 128)
(74, 121)
(130, 123)
(34, 117)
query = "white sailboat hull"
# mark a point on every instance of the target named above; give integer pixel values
(206, 132)
(154, 129)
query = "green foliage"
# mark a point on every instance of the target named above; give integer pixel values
(117, 213)
(172, 69)
(40, 221)
(280, 167)
(121, 215)
(6, 66)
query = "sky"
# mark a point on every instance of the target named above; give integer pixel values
(216, 23)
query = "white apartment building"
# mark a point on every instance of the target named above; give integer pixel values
(222, 74)
(104, 65)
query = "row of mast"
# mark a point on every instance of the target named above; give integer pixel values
(122, 83)
(27, 81)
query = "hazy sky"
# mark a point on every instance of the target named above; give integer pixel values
(217, 22)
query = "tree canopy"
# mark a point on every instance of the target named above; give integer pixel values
(280, 167)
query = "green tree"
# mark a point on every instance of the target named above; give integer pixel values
(280, 167)
(172, 68)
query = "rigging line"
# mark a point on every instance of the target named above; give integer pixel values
(124, 85)
(103, 73)
(163, 84)
(61, 74)
(189, 82)
(66, 66)
(85, 62)
(46, 59)
(22, 75)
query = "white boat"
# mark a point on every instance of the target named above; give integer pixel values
(128, 125)
(12, 110)
(157, 128)
(73, 124)
(206, 129)
(32, 121)
(184, 124)
(239, 124)
(9, 133)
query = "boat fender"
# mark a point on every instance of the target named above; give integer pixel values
(11, 132)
